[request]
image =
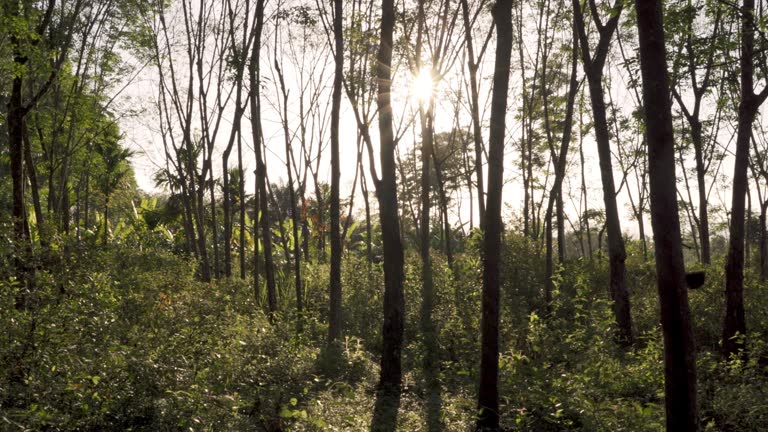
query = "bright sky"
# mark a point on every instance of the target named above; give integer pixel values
(306, 58)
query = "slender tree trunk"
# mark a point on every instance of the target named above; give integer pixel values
(679, 350)
(32, 175)
(87, 197)
(15, 124)
(104, 239)
(560, 219)
(255, 235)
(241, 187)
(227, 216)
(585, 215)
(488, 396)
(291, 196)
(390, 377)
(555, 195)
(477, 133)
(261, 169)
(593, 68)
(734, 324)
(443, 210)
(763, 243)
(335, 312)
(696, 133)
(747, 242)
(368, 225)
(199, 212)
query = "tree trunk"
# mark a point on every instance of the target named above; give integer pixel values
(32, 175)
(679, 350)
(763, 243)
(390, 377)
(593, 68)
(261, 169)
(488, 396)
(698, 140)
(747, 242)
(477, 135)
(584, 215)
(255, 235)
(241, 187)
(106, 221)
(291, 196)
(555, 195)
(443, 210)
(16, 149)
(199, 212)
(734, 324)
(335, 317)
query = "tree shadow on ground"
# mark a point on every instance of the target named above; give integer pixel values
(386, 408)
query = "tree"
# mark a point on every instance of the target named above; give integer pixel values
(28, 27)
(488, 396)
(559, 160)
(759, 168)
(254, 77)
(115, 159)
(593, 68)
(698, 60)
(390, 376)
(734, 323)
(334, 318)
(287, 139)
(473, 63)
(679, 350)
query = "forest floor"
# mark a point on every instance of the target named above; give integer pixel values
(126, 338)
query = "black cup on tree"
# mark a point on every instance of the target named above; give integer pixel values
(695, 280)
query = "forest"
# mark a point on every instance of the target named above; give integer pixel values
(395, 215)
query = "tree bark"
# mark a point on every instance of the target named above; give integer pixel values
(335, 311)
(679, 350)
(477, 134)
(291, 196)
(555, 195)
(32, 175)
(593, 68)
(488, 396)
(390, 377)
(734, 324)
(261, 169)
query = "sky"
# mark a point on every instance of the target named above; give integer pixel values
(304, 55)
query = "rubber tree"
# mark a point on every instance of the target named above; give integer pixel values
(679, 350)
(593, 68)
(734, 323)
(488, 396)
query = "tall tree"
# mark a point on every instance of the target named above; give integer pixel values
(734, 324)
(473, 64)
(593, 68)
(390, 377)
(679, 351)
(254, 75)
(334, 321)
(560, 160)
(27, 28)
(488, 396)
(239, 46)
(697, 55)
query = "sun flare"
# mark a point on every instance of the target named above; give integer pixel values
(423, 86)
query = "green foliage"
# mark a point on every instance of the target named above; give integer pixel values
(125, 338)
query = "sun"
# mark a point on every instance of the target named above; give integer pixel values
(423, 86)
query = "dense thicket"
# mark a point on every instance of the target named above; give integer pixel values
(396, 215)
